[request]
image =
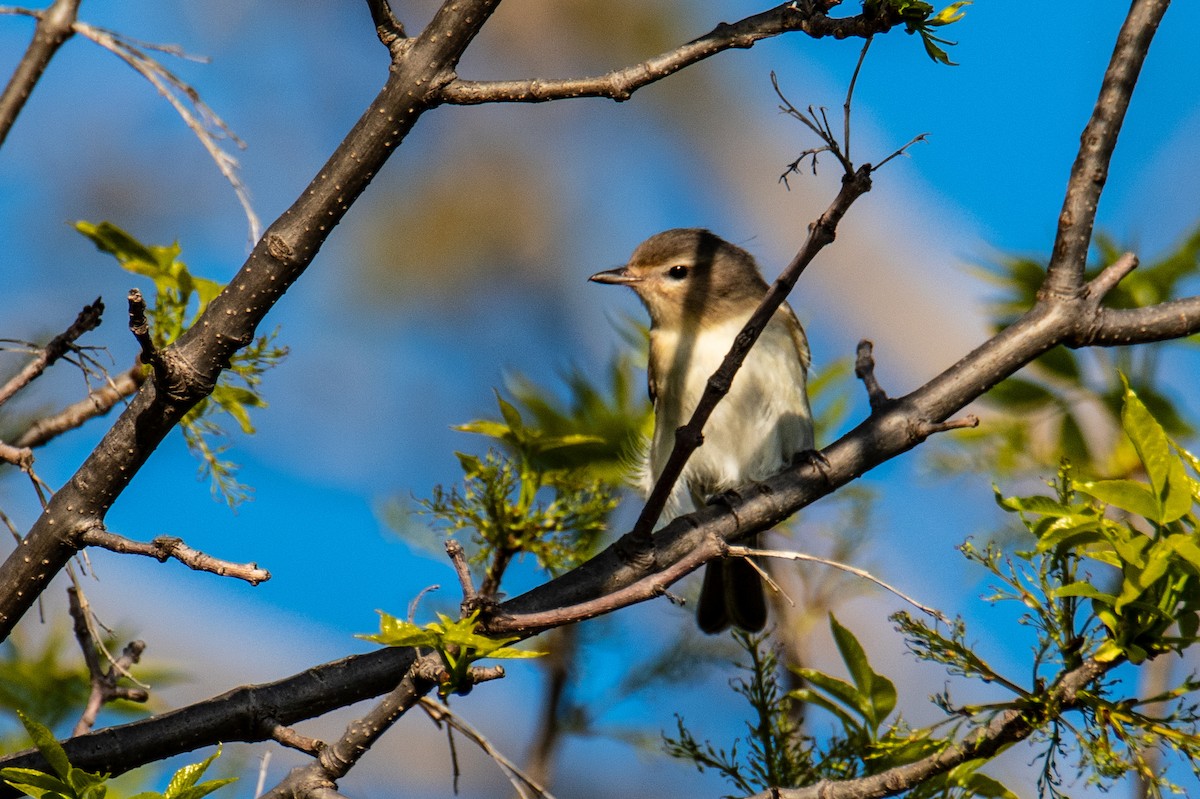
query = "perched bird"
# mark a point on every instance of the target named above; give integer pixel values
(700, 290)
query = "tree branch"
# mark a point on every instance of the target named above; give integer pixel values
(104, 682)
(55, 25)
(1090, 170)
(1007, 728)
(229, 322)
(334, 760)
(88, 319)
(809, 17)
(97, 403)
(165, 547)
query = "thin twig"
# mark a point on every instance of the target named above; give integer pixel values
(166, 547)
(516, 777)
(207, 126)
(97, 403)
(862, 56)
(864, 370)
(104, 682)
(748, 552)
(87, 319)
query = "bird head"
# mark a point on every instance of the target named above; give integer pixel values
(689, 276)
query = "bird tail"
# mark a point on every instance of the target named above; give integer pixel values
(732, 594)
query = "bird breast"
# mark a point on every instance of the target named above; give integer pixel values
(754, 431)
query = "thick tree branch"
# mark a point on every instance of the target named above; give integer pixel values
(248, 713)
(196, 360)
(55, 25)
(807, 16)
(1090, 170)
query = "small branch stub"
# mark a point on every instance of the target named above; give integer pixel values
(864, 370)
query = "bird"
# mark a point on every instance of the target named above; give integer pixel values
(699, 291)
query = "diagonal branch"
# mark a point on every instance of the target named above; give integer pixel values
(335, 760)
(1005, 729)
(230, 320)
(807, 17)
(97, 403)
(55, 25)
(87, 319)
(1090, 170)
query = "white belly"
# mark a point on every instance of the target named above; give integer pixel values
(754, 431)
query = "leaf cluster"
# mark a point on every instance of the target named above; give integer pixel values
(545, 489)
(919, 18)
(179, 298)
(1113, 577)
(69, 782)
(456, 642)
(777, 753)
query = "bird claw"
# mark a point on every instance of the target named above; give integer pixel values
(814, 458)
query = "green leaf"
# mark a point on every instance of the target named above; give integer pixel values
(1163, 467)
(811, 697)
(189, 775)
(35, 783)
(879, 690)
(48, 745)
(1086, 590)
(836, 688)
(966, 776)
(1127, 495)
(485, 427)
(510, 413)
(949, 14)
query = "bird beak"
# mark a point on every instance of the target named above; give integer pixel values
(617, 277)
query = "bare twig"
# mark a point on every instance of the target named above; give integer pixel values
(286, 736)
(441, 713)
(748, 552)
(140, 328)
(21, 457)
(104, 682)
(620, 84)
(55, 25)
(60, 345)
(862, 56)
(165, 547)
(458, 557)
(387, 27)
(195, 113)
(97, 403)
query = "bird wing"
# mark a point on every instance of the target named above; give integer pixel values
(798, 337)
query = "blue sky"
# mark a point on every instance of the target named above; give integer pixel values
(361, 411)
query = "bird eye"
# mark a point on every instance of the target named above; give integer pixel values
(678, 272)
